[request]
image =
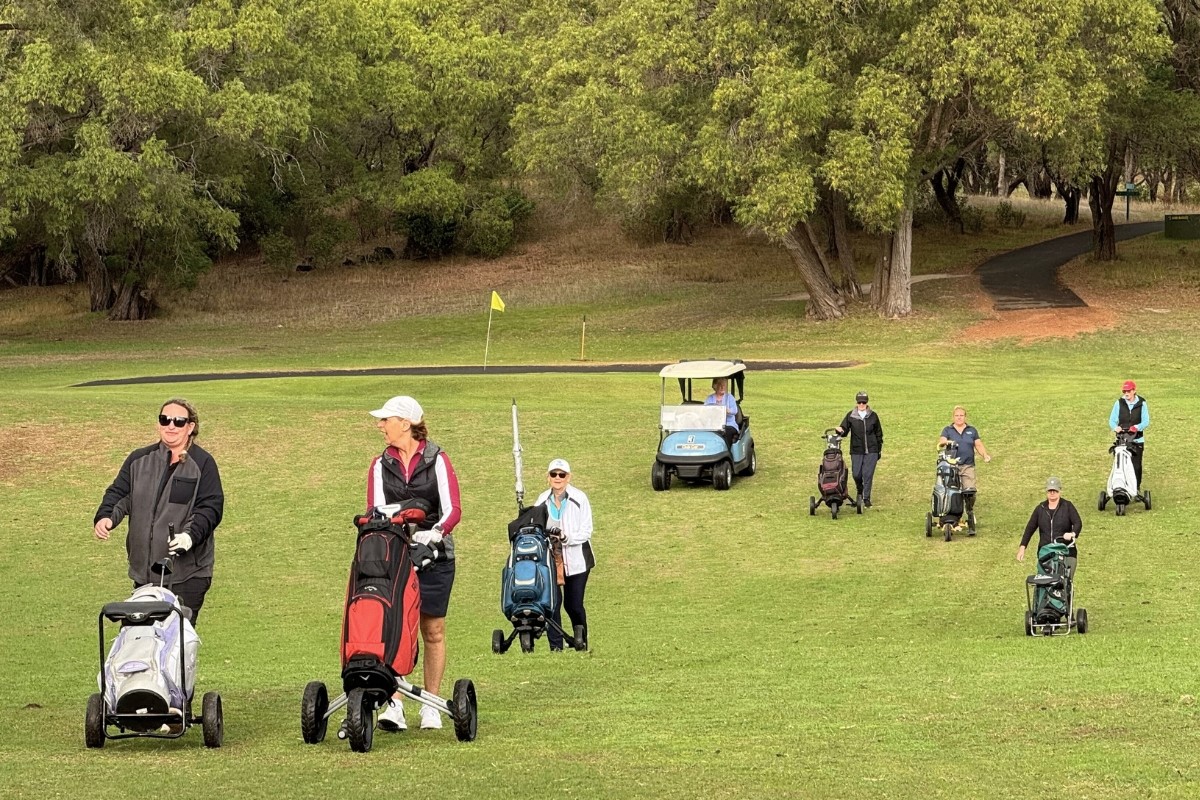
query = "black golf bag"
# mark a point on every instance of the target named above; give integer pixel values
(947, 499)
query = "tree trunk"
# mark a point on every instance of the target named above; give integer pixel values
(1100, 200)
(883, 270)
(1038, 184)
(100, 285)
(896, 301)
(841, 245)
(823, 300)
(133, 302)
(1071, 195)
(945, 187)
(1001, 186)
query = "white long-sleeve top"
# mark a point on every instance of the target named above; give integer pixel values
(577, 530)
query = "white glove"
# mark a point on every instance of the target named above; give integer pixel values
(180, 543)
(429, 538)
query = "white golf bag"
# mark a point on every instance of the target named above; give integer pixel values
(143, 670)
(1122, 480)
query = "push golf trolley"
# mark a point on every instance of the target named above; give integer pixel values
(1050, 596)
(146, 683)
(1123, 486)
(832, 478)
(949, 499)
(379, 635)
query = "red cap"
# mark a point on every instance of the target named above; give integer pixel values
(1128, 386)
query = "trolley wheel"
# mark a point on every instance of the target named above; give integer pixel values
(466, 710)
(1081, 623)
(313, 707)
(660, 477)
(722, 476)
(929, 523)
(833, 508)
(360, 720)
(812, 506)
(213, 720)
(1103, 501)
(970, 523)
(1146, 499)
(1120, 510)
(858, 505)
(752, 466)
(1029, 623)
(526, 641)
(497, 641)
(93, 721)
(948, 531)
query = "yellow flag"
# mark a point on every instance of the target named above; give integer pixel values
(497, 303)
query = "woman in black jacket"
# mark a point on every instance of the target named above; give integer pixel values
(1056, 520)
(866, 445)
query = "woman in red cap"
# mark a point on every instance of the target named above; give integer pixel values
(1131, 413)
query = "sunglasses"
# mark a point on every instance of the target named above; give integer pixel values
(558, 473)
(178, 422)
(862, 402)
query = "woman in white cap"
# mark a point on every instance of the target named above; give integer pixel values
(411, 467)
(1056, 520)
(866, 445)
(568, 511)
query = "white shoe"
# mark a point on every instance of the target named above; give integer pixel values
(392, 719)
(431, 719)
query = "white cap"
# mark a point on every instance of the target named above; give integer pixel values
(559, 463)
(403, 407)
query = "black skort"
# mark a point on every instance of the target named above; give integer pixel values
(436, 582)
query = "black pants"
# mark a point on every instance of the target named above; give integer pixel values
(191, 594)
(730, 435)
(570, 595)
(863, 468)
(1135, 455)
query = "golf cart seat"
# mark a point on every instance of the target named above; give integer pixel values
(1045, 581)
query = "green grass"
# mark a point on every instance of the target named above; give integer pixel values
(740, 646)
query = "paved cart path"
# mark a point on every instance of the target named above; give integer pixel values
(1028, 278)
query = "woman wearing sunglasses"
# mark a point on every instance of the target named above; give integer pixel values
(170, 486)
(569, 512)
(866, 445)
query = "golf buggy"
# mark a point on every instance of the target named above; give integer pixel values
(693, 443)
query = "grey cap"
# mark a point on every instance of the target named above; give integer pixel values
(861, 397)
(1053, 483)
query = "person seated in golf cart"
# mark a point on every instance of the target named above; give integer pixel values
(1056, 520)
(722, 397)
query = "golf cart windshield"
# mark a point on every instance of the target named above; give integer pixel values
(692, 418)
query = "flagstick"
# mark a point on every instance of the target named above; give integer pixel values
(488, 343)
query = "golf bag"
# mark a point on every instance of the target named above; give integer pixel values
(1122, 480)
(832, 474)
(1053, 602)
(947, 499)
(528, 581)
(142, 674)
(383, 601)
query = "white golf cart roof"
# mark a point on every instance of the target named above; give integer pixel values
(702, 369)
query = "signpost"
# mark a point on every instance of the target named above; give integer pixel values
(1129, 191)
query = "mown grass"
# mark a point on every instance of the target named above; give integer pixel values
(740, 646)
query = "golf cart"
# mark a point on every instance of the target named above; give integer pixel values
(692, 443)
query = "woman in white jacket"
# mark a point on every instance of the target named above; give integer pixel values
(568, 511)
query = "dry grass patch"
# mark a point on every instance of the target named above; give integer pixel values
(29, 451)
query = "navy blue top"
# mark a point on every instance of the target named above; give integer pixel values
(965, 441)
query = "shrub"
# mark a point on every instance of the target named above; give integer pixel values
(489, 231)
(278, 249)
(1009, 217)
(331, 239)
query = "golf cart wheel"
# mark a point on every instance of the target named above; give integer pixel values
(833, 508)
(93, 722)
(497, 641)
(970, 523)
(1103, 501)
(660, 477)
(812, 506)
(948, 531)
(1081, 623)
(929, 523)
(1146, 499)
(360, 721)
(526, 641)
(1029, 623)
(751, 467)
(466, 710)
(213, 720)
(313, 707)
(723, 476)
